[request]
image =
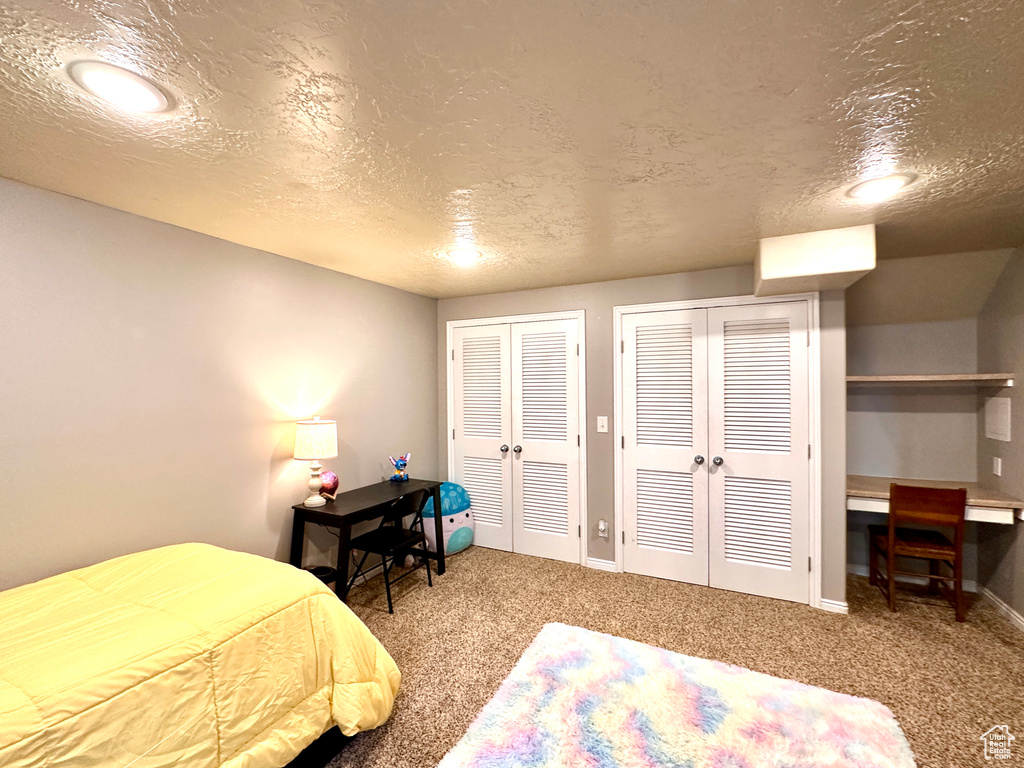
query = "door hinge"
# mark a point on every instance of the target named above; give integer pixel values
(808, 450)
(809, 569)
(623, 442)
(453, 354)
(622, 346)
(577, 441)
(577, 350)
(579, 531)
(623, 537)
(808, 337)
(453, 433)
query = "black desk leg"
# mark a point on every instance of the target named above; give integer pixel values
(344, 555)
(438, 529)
(298, 538)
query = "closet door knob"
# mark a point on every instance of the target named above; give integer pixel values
(517, 449)
(718, 461)
(698, 459)
(504, 449)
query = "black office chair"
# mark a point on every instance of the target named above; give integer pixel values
(390, 540)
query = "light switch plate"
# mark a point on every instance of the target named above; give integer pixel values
(997, 466)
(602, 423)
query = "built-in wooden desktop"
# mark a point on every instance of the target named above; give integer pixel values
(984, 505)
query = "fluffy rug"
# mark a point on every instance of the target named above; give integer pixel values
(587, 700)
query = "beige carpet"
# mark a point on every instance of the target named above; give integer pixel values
(947, 683)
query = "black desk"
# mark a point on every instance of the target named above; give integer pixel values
(356, 506)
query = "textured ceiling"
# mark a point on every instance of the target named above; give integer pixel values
(569, 141)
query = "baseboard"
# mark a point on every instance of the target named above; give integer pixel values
(601, 565)
(997, 602)
(863, 570)
(834, 606)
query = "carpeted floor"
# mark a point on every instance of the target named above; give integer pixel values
(947, 683)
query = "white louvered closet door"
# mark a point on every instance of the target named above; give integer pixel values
(758, 424)
(482, 423)
(664, 376)
(545, 437)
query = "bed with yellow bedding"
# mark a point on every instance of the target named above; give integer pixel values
(188, 655)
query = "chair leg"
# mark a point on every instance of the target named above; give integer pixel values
(958, 586)
(387, 583)
(426, 562)
(890, 568)
(872, 562)
(934, 569)
(358, 572)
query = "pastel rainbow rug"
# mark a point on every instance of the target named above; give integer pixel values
(581, 699)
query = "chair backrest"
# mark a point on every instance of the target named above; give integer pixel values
(410, 504)
(927, 506)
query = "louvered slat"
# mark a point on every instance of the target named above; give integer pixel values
(757, 393)
(758, 522)
(664, 510)
(481, 387)
(481, 477)
(664, 385)
(545, 498)
(545, 395)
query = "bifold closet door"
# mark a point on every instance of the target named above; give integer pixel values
(546, 437)
(758, 441)
(664, 421)
(483, 426)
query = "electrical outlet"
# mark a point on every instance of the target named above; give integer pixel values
(997, 466)
(602, 423)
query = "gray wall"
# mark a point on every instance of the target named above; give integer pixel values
(152, 375)
(921, 432)
(597, 300)
(927, 433)
(833, 445)
(1001, 348)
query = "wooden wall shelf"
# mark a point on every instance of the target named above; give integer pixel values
(943, 379)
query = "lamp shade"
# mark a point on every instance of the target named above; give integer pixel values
(316, 439)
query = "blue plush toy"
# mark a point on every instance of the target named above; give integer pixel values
(457, 524)
(400, 475)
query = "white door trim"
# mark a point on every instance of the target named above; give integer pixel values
(722, 301)
(814, 369)
(580, 316)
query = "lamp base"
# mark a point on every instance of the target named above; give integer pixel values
(315, 484)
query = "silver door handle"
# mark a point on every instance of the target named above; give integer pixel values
(698, 459)
(517, 449)
(718, 461)
(504, 449)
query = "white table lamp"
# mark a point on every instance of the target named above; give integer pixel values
(315, 439)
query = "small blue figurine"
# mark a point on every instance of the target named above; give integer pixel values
(400, 475)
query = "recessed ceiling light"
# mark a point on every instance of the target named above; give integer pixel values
(118, 86)
(464, 257)
(882, 188)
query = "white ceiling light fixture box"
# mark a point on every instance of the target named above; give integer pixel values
(881, 188)
(124, 89)
(831, 259)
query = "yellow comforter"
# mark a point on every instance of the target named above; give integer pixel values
(188, 656)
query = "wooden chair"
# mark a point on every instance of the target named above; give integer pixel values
(391, 541)
(937, 507)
